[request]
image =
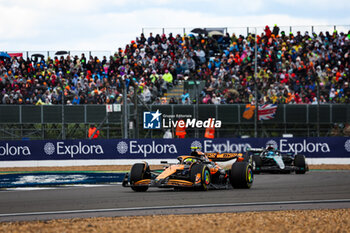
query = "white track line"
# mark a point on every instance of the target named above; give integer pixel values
(91, 185)
(177, 207)
(60, 186)
(29, 188)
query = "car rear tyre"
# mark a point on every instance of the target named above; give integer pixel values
(299, 162)
(257, 163)
(139, 171)
(205, 178)
(241, 175)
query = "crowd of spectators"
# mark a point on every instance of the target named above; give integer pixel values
(290, 67)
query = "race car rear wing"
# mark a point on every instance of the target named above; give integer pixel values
(223, 156)
(255, 149)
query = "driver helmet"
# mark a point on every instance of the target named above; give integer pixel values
(197, 153)
(188, 161)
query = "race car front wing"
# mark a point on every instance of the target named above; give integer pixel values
(165, 183)
(276, 168)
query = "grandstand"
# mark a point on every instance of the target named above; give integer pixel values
(292, 68)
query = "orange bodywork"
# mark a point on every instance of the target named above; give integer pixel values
(198, 178)
(143, 182)
(214, 170)
(169, 171)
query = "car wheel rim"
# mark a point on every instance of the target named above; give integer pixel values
(206, 177)
(250, 175)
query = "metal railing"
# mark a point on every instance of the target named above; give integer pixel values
(45, 122)
(244, 31)
(72, 53)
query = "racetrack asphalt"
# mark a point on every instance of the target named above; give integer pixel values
(314, 190)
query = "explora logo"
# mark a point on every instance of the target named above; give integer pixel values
(151, 120)
(210, 147)
(153, 148)
(72, 150)
(303, 146)
(14, 150)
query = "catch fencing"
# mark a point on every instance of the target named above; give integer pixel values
(227, 113)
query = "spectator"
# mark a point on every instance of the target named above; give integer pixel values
(267, 31)
(168, 77)
(288, 67)
(275, 30)
(335, 130)
(346, 130)
(201, 55)
(184, 96)
(146, 95)
(76, 100)
(167, 134)
(93, 132)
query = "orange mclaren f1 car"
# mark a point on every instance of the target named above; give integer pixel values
(198, 171)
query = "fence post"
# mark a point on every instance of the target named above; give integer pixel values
(125, 112)
(284, 118)
(290, 28)
(20, 114)
(312, 29)
(42, 114)
(62, 106)
(318, 107)
(247, 31)
(136, 116)
(163, 31)
(217, 117)
(239, 115)
(184, 29)
(85, 114)
(42, 131)
(42, 122)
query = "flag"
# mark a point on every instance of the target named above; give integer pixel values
(267, 111)
(109, 108)
(249, 111)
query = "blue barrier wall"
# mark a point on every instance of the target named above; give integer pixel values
(324, 147)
